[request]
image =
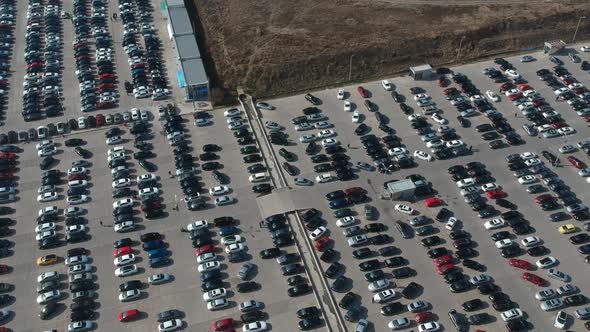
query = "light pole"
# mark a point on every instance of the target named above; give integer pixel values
(459, 50)
(577, 27)
(350, 68)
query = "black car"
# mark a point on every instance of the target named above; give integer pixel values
(472, 305)
(168, 315)
(312, 99)
(479, 319)
(575, 300)
(262, 188)
(252, 316)
(460, 286)
(473, 265)
(247, 286)
(538, 251)
(82, 314)
(347, 300)
(85, 304)
(47, 310)
(298, 290)
(74, 142)
(308, 312)
(131, 284)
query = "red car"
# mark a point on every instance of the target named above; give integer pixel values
(321, 243)
(442, 82)
(576, 162)
(444, 269)
(446, 259)
(122, 251)
(7, 155)
(506, 86)
(129, 315)
(538, 102)
(4, 268)
(204, 249)
(223, 324)
(154, 205)
(515, 96)
(557, 125)
(364, 93)
(542, 198)
(424, 317)
(35, 64)
(569, 81)
(104, 105)
(432, 202)
(533, 278)
(100, 120)
(355, 191)
(107, 75)
(77, 177)
(521, 264)
(137, 65)
(106, 86)
(6, 176)
(493, 194)
(450, 91)
(524, 87)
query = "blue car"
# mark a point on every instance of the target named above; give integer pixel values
(156, 253)
(159, 262)
(338, 204)
(151, 245)
(227, 230)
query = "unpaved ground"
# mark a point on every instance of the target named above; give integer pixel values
(272, 47)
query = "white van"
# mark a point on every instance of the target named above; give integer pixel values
(116, 149)
(258, 177)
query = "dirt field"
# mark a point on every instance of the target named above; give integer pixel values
(273, 47)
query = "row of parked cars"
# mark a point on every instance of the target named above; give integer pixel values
(43, 58)
(145, 65)
(7, 195)
(8, 10)
(91, 22)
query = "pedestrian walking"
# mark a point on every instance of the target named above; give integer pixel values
(515, 114)
(176, 206)
(348, 145)
(101, 223)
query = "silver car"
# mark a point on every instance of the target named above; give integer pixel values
(546, 294)
(552, 304)
(583, 313)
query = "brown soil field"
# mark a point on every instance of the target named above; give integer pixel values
(278, 47)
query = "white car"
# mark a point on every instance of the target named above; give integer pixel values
(378, 285)
(326, 133)
(418, 306)
(48, 297)
(527, 179)
(511, 314)
(73, 260)
(438, 119)
(218, 190)
(585, 48)
(490, 186)
(47, 197)
(397, 151)
(322, 125)
(560, 320)
(48, 211)
(146, 177)
(404, 209)
(347, 106)
(121, 183)
(77, 199)
(556, 274)
(126, 270)
(259, 326)
(76, 170)
(46, 276)
(149, 192)
(356, 117)
(329, 142)
(234, 247)
(114, 140)
(422, 155)
(199, 224)
(454, 144)
(465, 183)
(505, 243)
(129, 295)
(124, 260)
(384, 296)
(123, 203)
(546, 262)
(386, 85)
(531, 241)
(494, 223)
(208, 266)
(511, 73)
(451, 223)
(345, 221)
(429, 327)
(421, 96)
(564, 131)
(533, 162)
(45, 144)
(231, 239)
(324, 178)
(48, 226)
(125, 226)
(170, 325)
(45, 235)
(215, 294)
(317, 233)
(224, 200)
(584, 172)
(206, 257)
(493, 96)
(217, 304)
(340, 94)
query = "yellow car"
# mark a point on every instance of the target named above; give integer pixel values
(566, 229)
(47, 260)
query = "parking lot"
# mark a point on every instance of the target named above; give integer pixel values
(183, 292)
(435, 291)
